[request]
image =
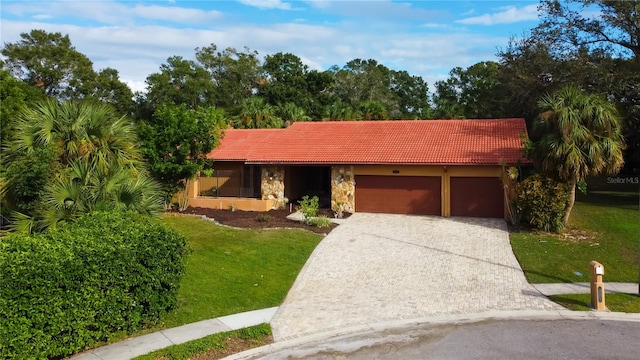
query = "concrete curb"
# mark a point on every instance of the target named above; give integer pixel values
(364, 329)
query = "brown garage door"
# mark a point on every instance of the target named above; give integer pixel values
(477, 196)
(398, 194)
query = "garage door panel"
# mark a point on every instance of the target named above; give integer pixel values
(398, 194)
(477, 197)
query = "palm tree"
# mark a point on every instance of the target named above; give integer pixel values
(97, 162)
(579, 135)
(84, 130)
(256, 114)
(84, 189)
(373, 110)
(291, 112)
(342, 111)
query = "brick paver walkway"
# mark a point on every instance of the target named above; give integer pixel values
(381, 267)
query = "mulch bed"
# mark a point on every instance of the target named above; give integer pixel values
(260, 220)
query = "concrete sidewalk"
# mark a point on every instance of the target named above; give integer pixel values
(141, 345)
(584, 288)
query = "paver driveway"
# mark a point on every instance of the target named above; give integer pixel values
(380, 267)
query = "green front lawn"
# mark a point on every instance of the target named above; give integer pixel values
(629, 303)
(603, 227)
(232, 271)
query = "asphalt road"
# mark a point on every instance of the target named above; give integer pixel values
(513, 339)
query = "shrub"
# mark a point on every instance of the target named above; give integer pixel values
(264, 218)
(319, 221)
(308, 207)
(25, 180)
(542, 202)
(84, 282)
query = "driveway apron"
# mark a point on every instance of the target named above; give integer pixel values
(382, 267)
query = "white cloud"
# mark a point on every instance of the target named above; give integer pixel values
(267, 4)
(508, 15)
(440, 26)
(110, 12)
(175, 14)
(376, 9)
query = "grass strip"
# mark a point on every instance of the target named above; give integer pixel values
(629, 303)
(215, 346)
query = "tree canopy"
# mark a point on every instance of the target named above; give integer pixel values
(569, 26)
(175, 142)
(49, 62)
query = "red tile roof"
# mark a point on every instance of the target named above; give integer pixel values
(378, 142)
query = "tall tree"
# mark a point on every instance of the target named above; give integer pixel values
(285, 80)
(569, 25)
(236, 74)
(180, 81)
(474, 92)
(108, 88)
(412, 93)
(528, 71)
(49, 62)
(175, 143)
(366, 80)
(579, 136)
(320, 86)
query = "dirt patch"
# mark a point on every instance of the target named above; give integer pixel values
(579, 236)
(233, 345)
(260, 220)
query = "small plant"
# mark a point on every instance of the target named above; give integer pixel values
(283, 204)
(264, 218)
(309, 207)
(339, 210)
(319, 221)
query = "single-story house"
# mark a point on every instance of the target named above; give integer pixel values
(429, 167)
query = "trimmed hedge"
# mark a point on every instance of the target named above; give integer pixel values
(82, 283)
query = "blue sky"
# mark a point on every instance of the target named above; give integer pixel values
(425, 38)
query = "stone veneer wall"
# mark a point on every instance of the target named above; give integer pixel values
(343, 189)
(273, 185)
